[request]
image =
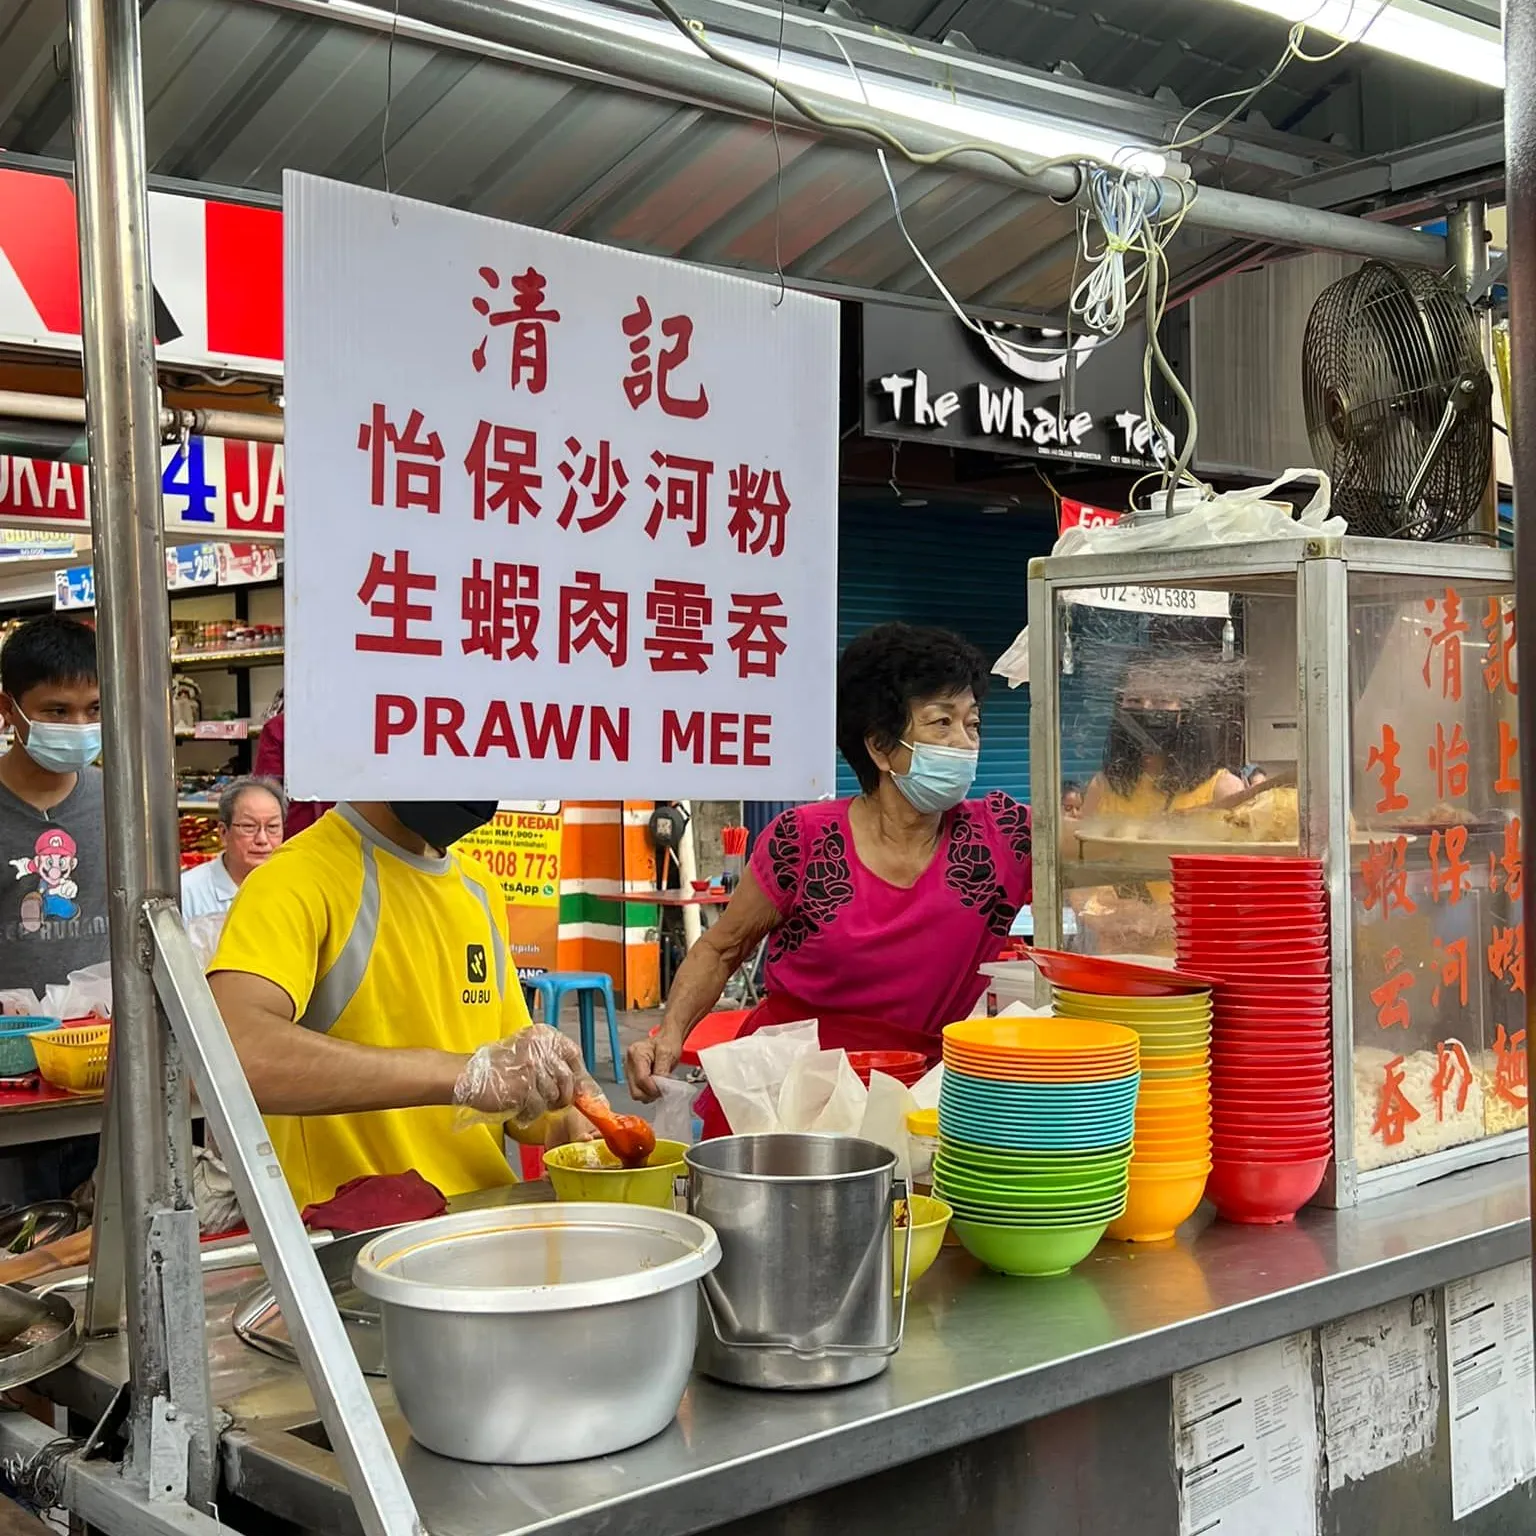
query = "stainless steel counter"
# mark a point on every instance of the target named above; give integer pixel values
(982, 1354)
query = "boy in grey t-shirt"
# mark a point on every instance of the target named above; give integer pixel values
(53, 878)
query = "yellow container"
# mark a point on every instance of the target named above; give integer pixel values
(587, 1170)
(930, 1219)
(75, 1059)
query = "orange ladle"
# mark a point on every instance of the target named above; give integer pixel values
(628, 1137)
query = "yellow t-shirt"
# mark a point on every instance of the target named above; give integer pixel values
(376, 945)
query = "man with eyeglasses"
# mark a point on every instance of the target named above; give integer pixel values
(251, 826)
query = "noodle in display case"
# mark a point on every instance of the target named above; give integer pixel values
(1346, 700)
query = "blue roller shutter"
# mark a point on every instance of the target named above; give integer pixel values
(959, 568)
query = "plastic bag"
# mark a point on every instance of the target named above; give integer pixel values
(886, 1108)
(747, 1075)
(83, 993)
(822, 1093)
(20, 1003)
(673, 1120)
(1233, 517)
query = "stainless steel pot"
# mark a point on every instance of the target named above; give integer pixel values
(802, 1297)
(539, 1333)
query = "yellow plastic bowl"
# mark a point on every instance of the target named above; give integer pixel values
(575, 1176)
(1156, 1207)
(930, 1219)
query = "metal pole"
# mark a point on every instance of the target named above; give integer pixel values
(1467, 248)
(133, 633)
(213, 422)
(1520, 182)
(690, 76)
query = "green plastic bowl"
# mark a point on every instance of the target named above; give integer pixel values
(1061, 1216)
(1004, 1199)
(1035, 1251)
(1056, 1181)
(1001, 1160)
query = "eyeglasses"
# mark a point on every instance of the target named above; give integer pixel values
(273, 829)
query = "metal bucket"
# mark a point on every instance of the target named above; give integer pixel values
(802, 1295)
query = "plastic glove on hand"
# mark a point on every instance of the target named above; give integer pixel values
(628, 1137)
(522, 1078)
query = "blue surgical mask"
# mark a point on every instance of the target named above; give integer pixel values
(61, 748)
(939, 778)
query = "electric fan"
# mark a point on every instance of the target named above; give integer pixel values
(1398, 402)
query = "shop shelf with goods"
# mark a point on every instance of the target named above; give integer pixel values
(1349, 700)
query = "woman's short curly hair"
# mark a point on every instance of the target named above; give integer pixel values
(884, 673)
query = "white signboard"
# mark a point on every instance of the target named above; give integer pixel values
(1381, 1392)
(1178, 602)
(564, 517)
(1493, 1413)
(1245, 1443)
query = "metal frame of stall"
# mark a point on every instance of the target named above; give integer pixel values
(166, 1026)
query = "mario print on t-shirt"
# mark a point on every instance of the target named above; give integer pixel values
(53, 861)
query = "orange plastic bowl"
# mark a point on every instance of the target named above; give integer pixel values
(1155, 1208)
(1041, 1037)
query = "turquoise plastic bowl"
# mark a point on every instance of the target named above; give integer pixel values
(1031, 1251)
(1043, 1135)
(1066, 1098)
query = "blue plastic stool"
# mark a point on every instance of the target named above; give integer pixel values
(551, 989)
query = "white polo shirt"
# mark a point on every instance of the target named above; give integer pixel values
(207, 889)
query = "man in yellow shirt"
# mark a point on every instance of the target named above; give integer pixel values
(364, 975)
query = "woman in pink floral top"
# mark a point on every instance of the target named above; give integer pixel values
(877, 910)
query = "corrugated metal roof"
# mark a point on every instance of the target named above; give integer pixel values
(238, 90)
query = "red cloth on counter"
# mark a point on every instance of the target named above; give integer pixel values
(377, 1200)
(838, 1032)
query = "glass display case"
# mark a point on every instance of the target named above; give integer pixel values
(1347, 699)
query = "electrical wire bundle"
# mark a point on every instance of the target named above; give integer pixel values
(1123, 215)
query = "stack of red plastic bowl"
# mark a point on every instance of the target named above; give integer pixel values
(1259, 928)
(905, 1066)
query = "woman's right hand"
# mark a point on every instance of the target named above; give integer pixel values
(650, 1058)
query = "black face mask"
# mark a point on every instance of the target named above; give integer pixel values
(1156, 730)
(441, 823)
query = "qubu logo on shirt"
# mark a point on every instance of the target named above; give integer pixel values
(475, 969)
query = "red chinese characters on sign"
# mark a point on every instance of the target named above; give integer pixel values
(600, 481)
(1384, 755)
(1445, 642)
(642, 381)
(1394, 1112)
(681, 488)
(1390, 998)
(1506, 957)
(758, 622)
(415, 455)
(1499, 664)
(1448, 762)
(1508, 780)
(1384, 876)
(594, 617)
(502, 464)
(1510, 1074)
(386, 593)
(1450, 964)
(501, 611)
(680, 613)
(1448, 864)
(530, 322)
(758, 506)
(1506, 870)
(1452, 1070)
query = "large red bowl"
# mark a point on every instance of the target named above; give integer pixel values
(1272, 861)
(1243, 911)
(1234, 1109)
(1272, 1146)
(1261, 1194)
(1215, 953)
(1254, 930)
(905, 1066)
(1236, 969)
(1114, 978)
(1239, 1057)
(1243, 1094)
(1287, 1129)
(1271, 994)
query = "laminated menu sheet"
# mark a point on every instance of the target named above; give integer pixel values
(1493, 1412)
(1245, 1443)
(1381, 1389)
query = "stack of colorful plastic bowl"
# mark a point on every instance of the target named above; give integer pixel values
(1036, 1118)
(1173, 1109)
(1259, 927)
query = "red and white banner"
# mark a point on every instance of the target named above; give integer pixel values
(217, 271)
(565, 525)
(209, 486)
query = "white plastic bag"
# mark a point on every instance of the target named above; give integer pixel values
(85, 992)
(20, 1003)
(673, 1120)
(823, 1093)
(747, 1075)
(1233, 517)
(886, 1108)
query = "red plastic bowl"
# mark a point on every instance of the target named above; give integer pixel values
(1263, 860)
(1271, 1150)
(1312, 1026)
(1245, 934)
(1261, 1194)
(1114, 978)
(1287, 1128)
(1273, 994)
(1200, 908)
(905, 1066)
(1287, 1056)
